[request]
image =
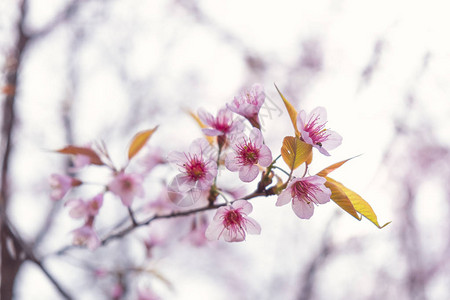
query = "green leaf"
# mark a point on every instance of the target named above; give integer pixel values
(341, 199)
(295, 152)
(139, 140)
(291, 110)
(358, 202)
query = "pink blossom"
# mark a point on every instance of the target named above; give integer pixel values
(198, 171)
(127, 186)
(84, 209)
(196, 236)
(61, 184)
(232, 222)
(247, 153)
(86, 236)
(117, 291)
(223, 124)
(147, 294)
(248, 104)
(304, 192)
(150, 160)
(313, 131)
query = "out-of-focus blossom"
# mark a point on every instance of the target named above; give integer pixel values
(232, 223)
(100, 272)
(151, 241)
(150, 160)
(117, 291)
(198, 171)
(223, 124)
(304, 193)
(248, 104)
(247, 154)
(196, 236)
(127, 187)
(313, 131)
(61, 184)
(83, 209)
(147, 294)
(161, 205)
(86, 236)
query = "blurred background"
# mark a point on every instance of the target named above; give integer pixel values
(78, 71)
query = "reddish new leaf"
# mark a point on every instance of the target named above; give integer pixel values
(86, 151)
(295, 152)
(139, 140)
(333, 167)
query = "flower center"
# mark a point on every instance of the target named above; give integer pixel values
(233, 219)
(127, 184)
(317, 131)
(305, 191)
(195, 168)
(248, 154)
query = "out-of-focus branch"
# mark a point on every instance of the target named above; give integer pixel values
(172, 215)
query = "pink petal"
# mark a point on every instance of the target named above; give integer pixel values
(334, 140)
(232, 163)
(248, 173)
(285, 197)
(302, 209)
(205, 117)
(252, 226)
(301, 121)
(234, 235)
(211, 132)
(214, 231)
(265, 156)
(321, 113)
(243, 206)
(256, 137)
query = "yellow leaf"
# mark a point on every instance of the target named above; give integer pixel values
(333, 167)
(295, 152)
(139, 141)
(341, 199)
(359, 203)
(200, 123)
(291, 110)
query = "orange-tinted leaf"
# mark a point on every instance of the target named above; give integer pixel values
(291, 110)
(359, 203)
(200, 123)
(310, 157)
(341, 199)
(86, 151)
(333, 167)
(295, 152)
(139, 140)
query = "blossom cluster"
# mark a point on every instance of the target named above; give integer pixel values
(232, 141)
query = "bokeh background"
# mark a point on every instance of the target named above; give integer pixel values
(79, 71)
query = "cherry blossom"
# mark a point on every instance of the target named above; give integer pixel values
(83, 209)
(61, 184)
(304, 193)
(86, 236)
(248, 104)
(247, 154)
(198, 171)
(223, 124)
(313, 131)
(232, 223)
(147, 294)
(127, 186)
